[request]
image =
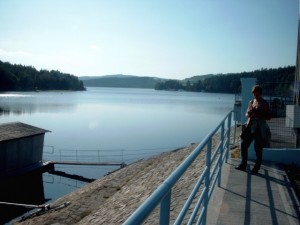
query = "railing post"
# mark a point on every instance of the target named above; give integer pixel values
(228, 136)
(234, 133)
(165, 209)
(207, 178)
(221, 153)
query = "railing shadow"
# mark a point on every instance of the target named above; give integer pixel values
(276, 183)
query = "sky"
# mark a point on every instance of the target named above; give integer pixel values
(172, 39)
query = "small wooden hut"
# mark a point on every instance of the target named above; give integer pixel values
(21, 147)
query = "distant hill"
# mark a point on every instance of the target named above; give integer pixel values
(195, 79)
(122, 81)
(105, 76)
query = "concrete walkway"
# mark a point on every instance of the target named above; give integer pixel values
(242, 198)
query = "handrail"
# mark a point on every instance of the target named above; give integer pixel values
(209, 176)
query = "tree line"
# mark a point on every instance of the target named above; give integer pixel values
(278, 80)
(27, 78)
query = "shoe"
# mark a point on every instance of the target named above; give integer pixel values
(241, 167)
(254, 172)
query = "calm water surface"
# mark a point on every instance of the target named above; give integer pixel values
(112, 118)
(112, 124)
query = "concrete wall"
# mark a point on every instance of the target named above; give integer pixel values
(284, 155)
(19, 153)
(247, 84)
(292, 116)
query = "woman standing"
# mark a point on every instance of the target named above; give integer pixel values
(256, 129)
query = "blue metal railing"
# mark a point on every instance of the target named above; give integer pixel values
(215, 156)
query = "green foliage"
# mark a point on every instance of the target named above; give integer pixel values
(279, 80)
(27, 78)
(173, 85)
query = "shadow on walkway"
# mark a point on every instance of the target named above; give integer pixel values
(266, 198)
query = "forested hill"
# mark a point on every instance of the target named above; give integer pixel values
(122, 81)
(27, 78)
(280, 80)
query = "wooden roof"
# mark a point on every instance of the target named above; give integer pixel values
(16, 130)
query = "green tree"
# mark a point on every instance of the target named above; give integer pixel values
(27, 78)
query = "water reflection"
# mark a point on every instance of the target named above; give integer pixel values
(4, 112)
(71, 176)
(20, 104)
(31, 189)
(25, 190)
(18, 109)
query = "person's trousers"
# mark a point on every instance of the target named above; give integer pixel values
(258, 146)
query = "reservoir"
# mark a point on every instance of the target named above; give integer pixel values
(113, 124)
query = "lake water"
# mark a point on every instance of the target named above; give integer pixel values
(112, 124)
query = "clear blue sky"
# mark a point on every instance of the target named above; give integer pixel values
(164, 38)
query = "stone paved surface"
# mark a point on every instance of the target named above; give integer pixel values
(112, 199)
